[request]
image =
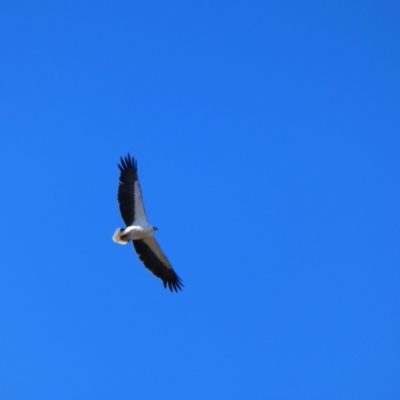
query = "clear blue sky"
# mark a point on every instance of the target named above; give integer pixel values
(267, 135)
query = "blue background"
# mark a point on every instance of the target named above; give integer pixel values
(267, 139)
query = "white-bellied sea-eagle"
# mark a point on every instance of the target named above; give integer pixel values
(137, 229)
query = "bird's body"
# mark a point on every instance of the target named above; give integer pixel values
(133, 232)
(138, 230)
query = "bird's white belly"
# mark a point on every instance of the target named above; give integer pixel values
(135, 232)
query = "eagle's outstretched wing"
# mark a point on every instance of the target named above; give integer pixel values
(129, 193)
(155, 260)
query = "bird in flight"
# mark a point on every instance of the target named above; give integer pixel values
(138, 230)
